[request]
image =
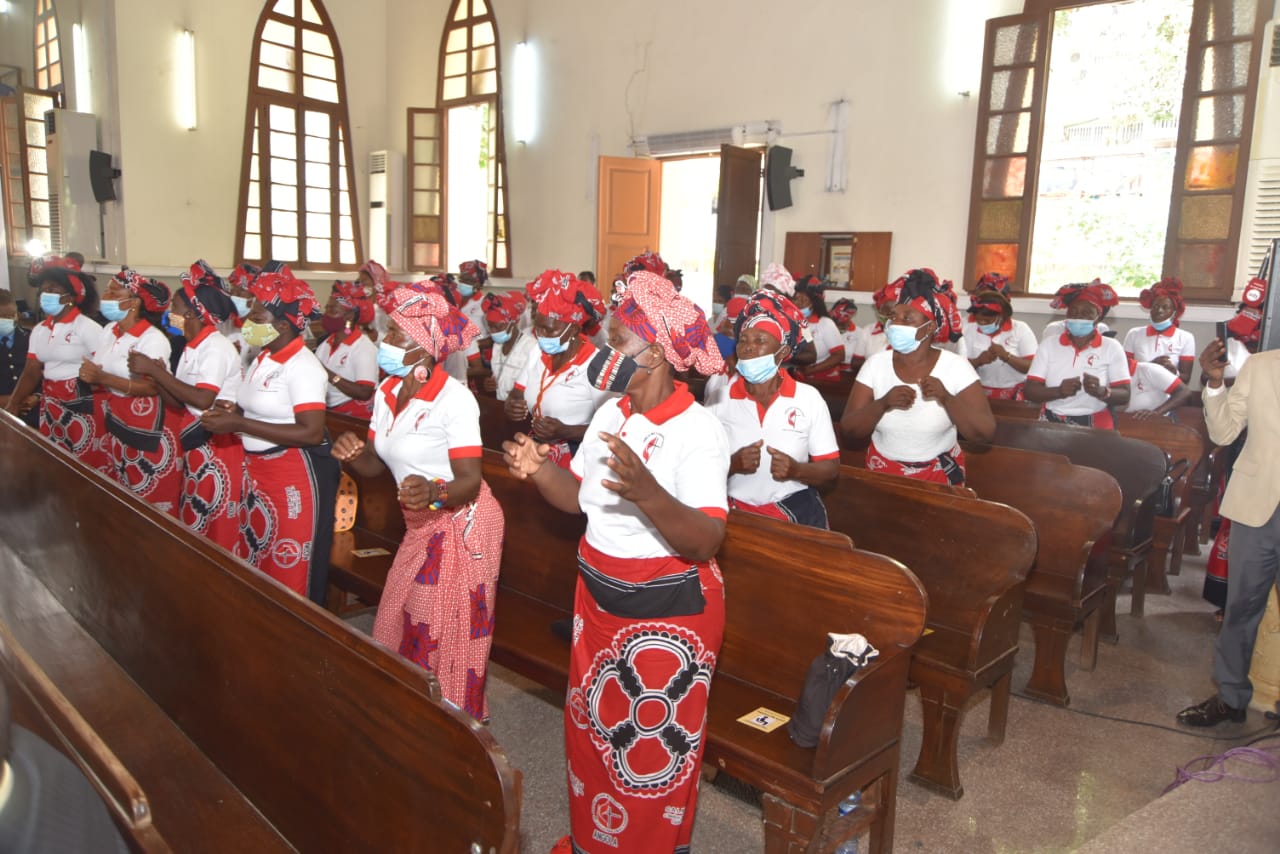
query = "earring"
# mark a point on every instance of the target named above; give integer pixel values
(420, 373)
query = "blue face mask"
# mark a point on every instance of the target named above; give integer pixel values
(167, 320)
(761, 369)
(1078, 327)
(51, 304)
(112, 311)
(1162, 325)
(466, 291)
(391, 360)
(242, 306)
(903, 338)
(501, 337)
(553, 346)
(6, 326)
(808, 312)
(989, 328)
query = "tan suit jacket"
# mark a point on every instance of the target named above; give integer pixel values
(1254, 402)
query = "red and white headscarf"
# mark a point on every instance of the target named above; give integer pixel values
(776, 276)
(208, 294)
(1095, 292)
(474, 272)
(886, 295)
(563, 296)
(934, 299)
(154, 295)
(773, 313)
(1170, 287)
(421, 310)
(378, 274)
(286, 297)
(353, 297)
(992, 293)
(650, 307)
(243, 275)
(842, 311)
(504, 308)
(646, 261)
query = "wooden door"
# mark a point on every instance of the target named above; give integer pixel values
(426, 218)
(629, 210)
(737, 213)
(870, 260)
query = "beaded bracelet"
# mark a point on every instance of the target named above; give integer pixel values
(442, 494)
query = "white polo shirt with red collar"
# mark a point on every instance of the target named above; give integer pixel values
(353, 357)
(1152, 385)
(870, 339)
(509, 367)
(439, 424)
(63, 345)
(113, 355)
(210, 362)
(797, 422)
(279, 386)
(473, 309)
(1145, 344)
(1057, 359)
(826, 338)
(565, 394)
(1014, 336)
(682, 445)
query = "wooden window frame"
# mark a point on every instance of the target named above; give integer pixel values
(11, 154)
(49, 14)
(341, 162)
(1045, 10)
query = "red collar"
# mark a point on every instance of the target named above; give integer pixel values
(289, 351)
(203, 334)
(878, 329)
(69, 317)
(1168, 333)
(787, 388)
(429, 391)
(680, 400)
(356, 332)
(585, 352)
(1095, 341)
(1006, 326)
(135, 331)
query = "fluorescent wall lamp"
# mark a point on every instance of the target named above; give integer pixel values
(35, 247)
(526, 100)
(185, 79)
(80, 48)
(5, 7)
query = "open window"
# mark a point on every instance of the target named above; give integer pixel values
(297, 185)
(48, 64)
(25, 158)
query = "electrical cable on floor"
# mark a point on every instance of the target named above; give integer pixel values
(1269, 730)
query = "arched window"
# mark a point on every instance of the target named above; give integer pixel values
(48, 49)
(297, 185)
(457, 153)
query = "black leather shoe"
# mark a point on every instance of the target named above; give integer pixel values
(1210, 713)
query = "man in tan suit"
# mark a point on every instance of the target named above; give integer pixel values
(1251, 501)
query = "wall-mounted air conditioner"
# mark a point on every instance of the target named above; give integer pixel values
(75, 216)
(388, 230)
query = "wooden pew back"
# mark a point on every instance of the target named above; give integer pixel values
(339, 744)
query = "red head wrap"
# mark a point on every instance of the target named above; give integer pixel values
(650, 307)
(734, 307)
(1170, 287)
(243, 275)
(64, 270)
(378, 273)
(421, 310)
(997, 282)
(353, 297)
(843, 311)
(772, 313)
(1095, 292)
(474, 272)
(285, 296)
(208, 294)
(563, 296)
(887, 295)
(935, 300)
(504, 308)
(153, 295)
(648, 261)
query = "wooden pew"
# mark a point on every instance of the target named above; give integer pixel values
(1021, 410)
(973, 563)
(1067, 587)
(1138, 468)
(251, 720)
(1183, 449)
(834, 392)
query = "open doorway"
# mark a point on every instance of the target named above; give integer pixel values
(1109, 143)
(470, 134)
(687, 236)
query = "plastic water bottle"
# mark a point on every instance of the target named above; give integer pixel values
(847, 806)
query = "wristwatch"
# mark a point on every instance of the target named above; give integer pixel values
(334, 379)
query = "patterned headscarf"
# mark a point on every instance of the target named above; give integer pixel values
(648, 261)
(936, 300)
(153, 295)
(1170, 287)
(997, 282)
(886, 295)
(843, 311)
(650, 307)
(774, 314)
(208, 294)
(504, 308)
(421, 310)
(1094, 292)
(65, 271)
(992, 293)
(563, 296)
(378, 273)
(448, 287)
(776, 276)
(734, 307)
(353, 297)
(474, 272)
(243, 275)
(286, 297)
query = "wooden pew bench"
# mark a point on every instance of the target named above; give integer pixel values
(972, 557)
(251, 719)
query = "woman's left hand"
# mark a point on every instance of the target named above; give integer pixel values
(931, 388)
(220, 419)
(783, 467)
(416, 492)
(90, 372)
(631, 480)
(144, 366)
(548, 429)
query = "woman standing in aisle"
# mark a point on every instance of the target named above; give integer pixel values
(347, 353)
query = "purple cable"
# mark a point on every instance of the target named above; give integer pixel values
(1214, 768)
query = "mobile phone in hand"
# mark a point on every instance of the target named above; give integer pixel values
(1222, 336)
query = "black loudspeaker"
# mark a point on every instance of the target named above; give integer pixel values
(101, 174)
(778, 174)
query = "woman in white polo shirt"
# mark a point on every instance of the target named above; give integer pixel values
(650, 477)
(291, 479)
(143, 445)
(209, 369)
(347, 353)
(913, 400)
(1162, 340)
(784, 447)
(828, 342)
(1080, 375)
(1154, 391)
(437, 606)
(554, 390)
(58, 347)
(472, 277)
(999, 347)
(512, 349)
